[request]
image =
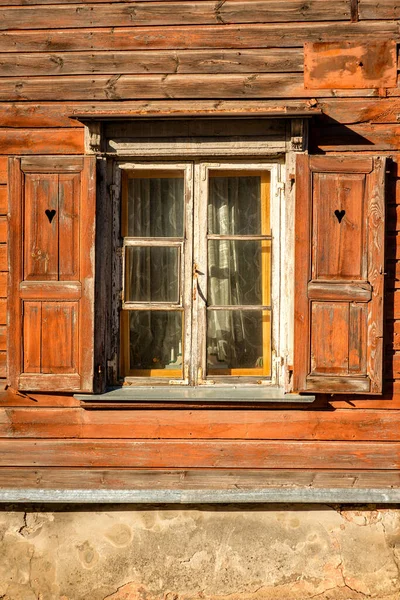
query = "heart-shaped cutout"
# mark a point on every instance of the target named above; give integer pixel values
(339, 214)
(50, 214)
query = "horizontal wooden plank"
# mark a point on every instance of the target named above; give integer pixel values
(3, 200)
(392, 304)
(218, 36)
(10, 397)
(49, 382)
(194, 479)
(321, 383)
(3, 338)
(3, 231)
(3, 364)
(3, 171)
(50, 290)
(392, 364)
(200, 453)
(339, 164)
(41, 141)
(359, 137)
(131, 14)
(359, 110)
(103, 87)
(384, 9)
(52, 114)
(36, 422)
(393, 218)
(3, 311)
(3, 285)
(50, 164)
(268, 60)
(57, 114)
(3, 257)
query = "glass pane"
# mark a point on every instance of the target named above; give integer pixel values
(238, 272)
(151, 274)
(155, 340)
(238, 204)
(155, 206)
(238, 339)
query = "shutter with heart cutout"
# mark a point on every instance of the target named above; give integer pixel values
(51, 289)
(339, 274)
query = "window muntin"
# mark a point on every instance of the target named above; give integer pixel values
(156, 305)
(238, 312)
(225, 303)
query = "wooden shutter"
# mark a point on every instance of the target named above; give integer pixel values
(52, 236)
(339, 265)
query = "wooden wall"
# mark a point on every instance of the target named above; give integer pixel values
(185, 57)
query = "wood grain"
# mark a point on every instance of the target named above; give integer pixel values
(287, 35)
(58, 114)
(37, 422)
(3, 284)
(360, 137)
(70, 478)
(3, 171)
(200, 453)
(41, 141)
(384, 9)
(133, 14)
(269, 60)
(121, 87)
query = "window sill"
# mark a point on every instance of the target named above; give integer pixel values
(211, 394)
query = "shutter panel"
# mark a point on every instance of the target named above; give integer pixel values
(339, 264)
(52, 236)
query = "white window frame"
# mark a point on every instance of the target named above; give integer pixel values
(196, 186)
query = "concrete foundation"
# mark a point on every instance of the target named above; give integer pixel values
(192, 553)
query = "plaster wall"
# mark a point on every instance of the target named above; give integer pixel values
(185, 553)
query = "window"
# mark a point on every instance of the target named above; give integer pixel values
(205, 288)
(200, 266)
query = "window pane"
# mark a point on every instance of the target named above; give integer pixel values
(155, 206)
(238, 272)
(238, 340)
(238, 204)
(151, 274)
(155, 340)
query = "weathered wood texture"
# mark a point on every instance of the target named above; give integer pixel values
(340, 205)
(127, 87)
(268, 60)
(226, 454)
(350, 64)
(346, 111)
(119, 58)
(52, 234)
(133, 14)
(192, 479)
(286, 35)
(36, 422)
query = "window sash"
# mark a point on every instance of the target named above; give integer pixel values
(193, 287)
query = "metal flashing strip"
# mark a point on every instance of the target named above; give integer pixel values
(194, 496)
(205, 394)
